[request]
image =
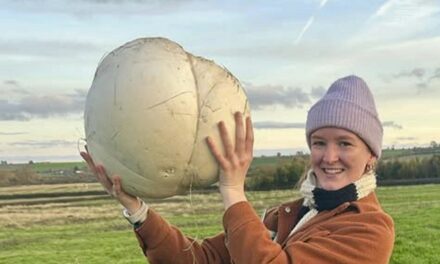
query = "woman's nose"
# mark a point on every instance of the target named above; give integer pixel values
(331, 154)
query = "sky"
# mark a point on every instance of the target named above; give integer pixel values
(285, 54)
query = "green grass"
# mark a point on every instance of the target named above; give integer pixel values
(98, 242)
(404, 154)
(93, 231)
(416, 213)
(45, 166)
(270, 161)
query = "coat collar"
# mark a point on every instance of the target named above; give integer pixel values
(285, 217)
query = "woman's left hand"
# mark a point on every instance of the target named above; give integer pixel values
(236, 161)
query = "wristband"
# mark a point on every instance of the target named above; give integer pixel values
(138, 217)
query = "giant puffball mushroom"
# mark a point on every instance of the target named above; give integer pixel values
(149, 109)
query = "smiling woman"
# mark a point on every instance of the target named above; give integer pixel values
(339, 157)
(337, 220)
(344, 134)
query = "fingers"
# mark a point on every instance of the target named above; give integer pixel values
(239, 134)
(112, 186)
(104, 179)
(249, 144)
(226, 140)
(99, 171)
(216, 152)
(88, 159)
(244, 139)
(117, 189)
(86, 156)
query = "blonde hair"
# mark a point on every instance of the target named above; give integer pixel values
(304, 175)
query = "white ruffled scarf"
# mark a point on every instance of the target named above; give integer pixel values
(364, 186)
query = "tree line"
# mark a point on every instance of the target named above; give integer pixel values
(281, 174)
(286, 174)
(414, 168)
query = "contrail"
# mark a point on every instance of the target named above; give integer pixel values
(323, 2)
(384, 8)
(309, 22)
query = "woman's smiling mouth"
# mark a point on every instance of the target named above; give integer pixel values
(332, 171)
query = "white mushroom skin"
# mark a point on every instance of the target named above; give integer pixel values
(149, 109)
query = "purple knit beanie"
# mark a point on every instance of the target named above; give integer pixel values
(348, 104)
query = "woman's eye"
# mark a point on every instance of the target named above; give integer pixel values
(318, 143)
(345, 144)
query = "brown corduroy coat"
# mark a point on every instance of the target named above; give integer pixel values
(356, 232)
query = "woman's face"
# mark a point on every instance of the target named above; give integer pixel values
(339, 157)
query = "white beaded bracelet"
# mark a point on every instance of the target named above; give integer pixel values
(137, 217)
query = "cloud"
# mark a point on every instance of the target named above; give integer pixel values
(398, 20)
(384, 8)
(317, 92)
(406, 138)
(11, 82)
(84, 8)
(263, 96)
(277, 125)
(435, 75)
(392, 125)
(42, 106)
(416, 72)
(397, 11)
(12, 133)
(48, 48)
(422, 87)
(422, 76)
(425, 85)
(122, 2)
(10, 111)
(12, 87)
(43, 144)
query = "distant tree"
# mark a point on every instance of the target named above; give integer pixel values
(25, 175)
(278, 154)
(416, 168)
(284, 175)
(4, 162)
(433, 144)
(31, 162)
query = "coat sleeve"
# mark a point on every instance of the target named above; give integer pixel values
(248, 242)
(164, 243)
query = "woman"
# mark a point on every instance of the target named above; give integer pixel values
(337, 220)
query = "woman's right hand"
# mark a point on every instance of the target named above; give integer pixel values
(112, 185)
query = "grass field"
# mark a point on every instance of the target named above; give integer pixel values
(45, 166)
(405, 154)
(92, 230)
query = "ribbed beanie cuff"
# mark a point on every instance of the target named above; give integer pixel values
(348, 104)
